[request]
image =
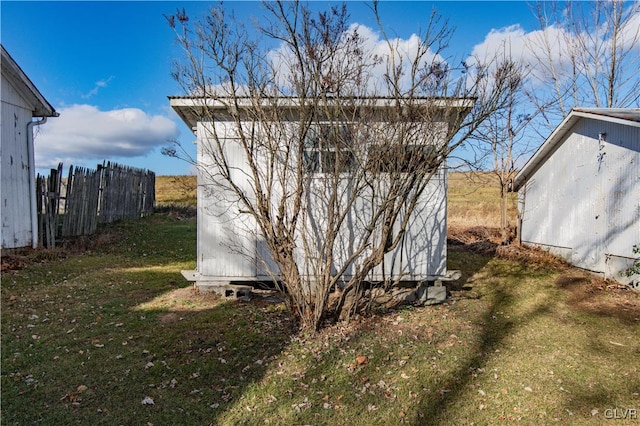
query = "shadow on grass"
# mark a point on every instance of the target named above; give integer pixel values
(496, 328)
(91, 346)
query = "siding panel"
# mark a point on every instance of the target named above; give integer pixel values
(16, 204)
(583, 202)
(230, 247)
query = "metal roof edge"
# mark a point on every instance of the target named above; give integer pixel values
(42, 107)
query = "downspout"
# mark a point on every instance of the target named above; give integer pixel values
(522, 200)
(32, 180)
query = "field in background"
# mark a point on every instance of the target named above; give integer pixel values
(473, 198)
(176, 190)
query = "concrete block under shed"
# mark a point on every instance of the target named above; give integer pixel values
(226, 290)
(431, 295)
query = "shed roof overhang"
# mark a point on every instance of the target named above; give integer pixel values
(626, 116)
(193, 109)
(12, 71)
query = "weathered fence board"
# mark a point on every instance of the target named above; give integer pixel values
(110, 193)
(127, 192)
(81, 207)
(48, 204)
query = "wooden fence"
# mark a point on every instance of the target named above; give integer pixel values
(75, 206)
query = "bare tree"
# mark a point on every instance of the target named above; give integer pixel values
(334, 148)
(502, 136)
(587, 54)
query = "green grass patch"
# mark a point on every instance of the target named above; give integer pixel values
(87, 338)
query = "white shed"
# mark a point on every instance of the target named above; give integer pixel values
(22, 103)
(579, 195)
(229, 249)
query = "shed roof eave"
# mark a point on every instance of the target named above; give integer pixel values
(186, 106)
(625, 116)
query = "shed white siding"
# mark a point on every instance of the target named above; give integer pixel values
(226, 238)
(16, 202)
(21, 102)
(582, 200)
(230, 249)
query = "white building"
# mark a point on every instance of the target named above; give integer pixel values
(229, 248)
(579, 195)
(23, 107)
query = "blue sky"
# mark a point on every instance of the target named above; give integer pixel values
(106, 67)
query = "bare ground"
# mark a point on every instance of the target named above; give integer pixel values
(586, 291)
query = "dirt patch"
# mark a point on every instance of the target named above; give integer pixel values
(184, 299)
(169, 318)
(592, 294)
(16, 259)
(487, 241)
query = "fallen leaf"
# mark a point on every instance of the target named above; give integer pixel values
(362, 359)
(82, 388)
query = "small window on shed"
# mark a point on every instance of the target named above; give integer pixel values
(328, 149)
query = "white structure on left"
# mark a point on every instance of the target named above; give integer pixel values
(23, 107)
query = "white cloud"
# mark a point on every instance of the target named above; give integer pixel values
(405, 52)
(373, 46)
(555, 46)
(495, 41)
(83, 133)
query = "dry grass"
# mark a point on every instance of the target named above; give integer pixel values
(176, 190)
(474, 200)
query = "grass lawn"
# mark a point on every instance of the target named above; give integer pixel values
(114, 335)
